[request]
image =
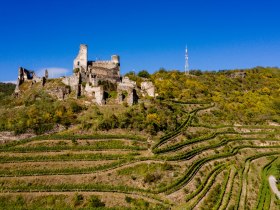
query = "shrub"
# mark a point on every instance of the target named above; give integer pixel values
(75, 107)
(76, 70)
(167, 167)
(84, 84)
(78, 199)
(150, 178)
(128, 199)
(95, 201)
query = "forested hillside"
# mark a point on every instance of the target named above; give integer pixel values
(6, 89)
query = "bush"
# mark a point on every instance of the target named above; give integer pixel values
(128, 199)
(84, 84)
(167, 167)
(78, 199)
(150, 178)
(75, 107)
(95, 201)
(76, 70)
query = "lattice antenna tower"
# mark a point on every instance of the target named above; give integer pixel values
(187, 61)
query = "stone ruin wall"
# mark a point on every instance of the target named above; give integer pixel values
(105, 73)
(130, 88)
(27, 75)
(148, 88)
(96, 92)
(71, 81)
(105, 70)
(103, 64)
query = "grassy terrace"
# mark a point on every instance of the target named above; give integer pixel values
(213, 169)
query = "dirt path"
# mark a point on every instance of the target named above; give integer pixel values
(273, 185)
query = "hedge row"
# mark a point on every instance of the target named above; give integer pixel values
(66, 157)
(72, 148)
(229, 194)
(199, 163)
(264, 189)
(223, 190)
(60, 171)
(204, 186)
(185, 124)
(72, 137)
(250, 159)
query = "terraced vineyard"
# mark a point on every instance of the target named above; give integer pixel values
(194, 167)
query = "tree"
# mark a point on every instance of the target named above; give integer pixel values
(130, 73)
(144, 74)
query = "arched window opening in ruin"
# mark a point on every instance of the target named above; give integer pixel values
(78, 63)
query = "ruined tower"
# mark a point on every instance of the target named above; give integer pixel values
(115, 59)
(81, 60)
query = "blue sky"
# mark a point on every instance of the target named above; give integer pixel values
(147, 34)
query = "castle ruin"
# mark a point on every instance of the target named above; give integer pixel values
(88, 78)
(92, 71)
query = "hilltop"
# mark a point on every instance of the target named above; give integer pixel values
(208, 140)
(247, 97)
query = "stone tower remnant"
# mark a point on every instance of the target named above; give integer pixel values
(81, 60)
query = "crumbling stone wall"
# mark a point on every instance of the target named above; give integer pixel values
(97, 92)
(148, 88)
(26, 75)
(60, 92)
(74, 82)
(132, 97)
(129, 87)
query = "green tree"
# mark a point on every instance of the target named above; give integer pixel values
(144, 74)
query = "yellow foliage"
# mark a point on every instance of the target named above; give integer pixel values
(153, 118)
(58, 113)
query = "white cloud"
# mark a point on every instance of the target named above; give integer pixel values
(54, 72)
(14, 82)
